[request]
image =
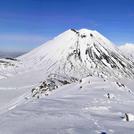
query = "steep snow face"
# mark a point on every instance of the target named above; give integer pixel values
(128, 50)
(79, 53)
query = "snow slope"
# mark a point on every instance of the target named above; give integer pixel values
(128, 50)
(99, 106)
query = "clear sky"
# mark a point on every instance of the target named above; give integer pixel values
(25, 24)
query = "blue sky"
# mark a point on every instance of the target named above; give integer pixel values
(25, 24)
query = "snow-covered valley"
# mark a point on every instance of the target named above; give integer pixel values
(77, 83)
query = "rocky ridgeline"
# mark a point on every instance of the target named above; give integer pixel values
(53, 82)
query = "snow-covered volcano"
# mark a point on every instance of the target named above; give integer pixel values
(79, 53)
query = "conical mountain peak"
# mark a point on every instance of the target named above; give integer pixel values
(79, 53)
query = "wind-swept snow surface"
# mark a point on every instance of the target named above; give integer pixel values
(92, 106)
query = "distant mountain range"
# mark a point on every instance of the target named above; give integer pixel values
(10, 54)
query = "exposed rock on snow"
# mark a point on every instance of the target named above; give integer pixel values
(53, 82)
(128, 117)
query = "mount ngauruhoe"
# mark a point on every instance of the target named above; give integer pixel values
(79, 54)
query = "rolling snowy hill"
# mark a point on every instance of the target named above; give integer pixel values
(6, 65)
(128, 50)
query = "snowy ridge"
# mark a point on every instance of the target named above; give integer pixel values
(92, 106)
(79, 53)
